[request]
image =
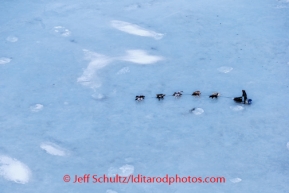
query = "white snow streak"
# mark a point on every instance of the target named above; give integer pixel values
(135, 29)
(14, 170)
(36, 108)
(140, 57)
(96, 62)
(98, 96)
(237, 108)
(225, 69)
(4, 60)
(12, 39)
(124, 170)
(198, 111)
(61, 31)
(123, 70)
(110, 191)
(53, 149)
(236, 180)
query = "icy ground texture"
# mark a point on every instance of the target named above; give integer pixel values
(69, 72)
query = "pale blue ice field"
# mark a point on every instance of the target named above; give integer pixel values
(70, 71)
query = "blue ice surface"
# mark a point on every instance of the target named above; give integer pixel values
(103, 128)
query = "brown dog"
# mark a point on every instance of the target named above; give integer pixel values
(196, 93)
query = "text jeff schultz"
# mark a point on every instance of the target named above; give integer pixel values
(145, 179)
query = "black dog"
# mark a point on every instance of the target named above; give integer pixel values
(139, 98)
(178, 94)
(214, 95)
(160, 96)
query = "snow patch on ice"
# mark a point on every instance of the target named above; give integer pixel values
(135, 29)
(237, 108)
(124, 170)
(112, 171)
(225, 69)
(53, 149)
(236, 180)
(36, 108)
(98, 96)
(4, 60)
(96, 62)
(61, 30)
(140, 57)
(123, 70)
(14, 170)
(198, 111)
(110, 191)
(12, 39)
